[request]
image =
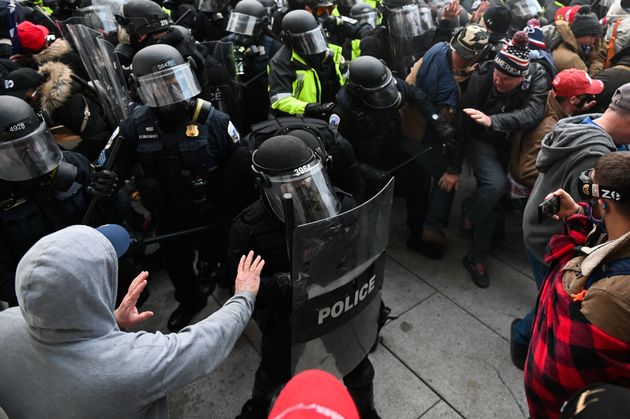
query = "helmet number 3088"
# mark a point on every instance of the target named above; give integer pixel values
(301, 170)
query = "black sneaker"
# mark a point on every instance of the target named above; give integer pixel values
(518, 351)
(478, 272)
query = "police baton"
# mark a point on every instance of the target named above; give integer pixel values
(117, 143)
(406, 162)
(186, 13)
(172, 236)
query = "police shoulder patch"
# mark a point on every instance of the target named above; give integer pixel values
(233, 133)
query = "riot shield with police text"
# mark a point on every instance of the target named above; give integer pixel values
(100, 62)
(337, 274)
(226, 93)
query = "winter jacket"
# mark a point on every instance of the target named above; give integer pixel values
(569, 55)
(433, 74)
(76, 108)
(580, 334)
(518, 111)
(570, 148)
(64, 356)
(525, 148)
(613, 77)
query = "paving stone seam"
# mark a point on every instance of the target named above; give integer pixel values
(427, 411)
(447, 297)
(423, 381)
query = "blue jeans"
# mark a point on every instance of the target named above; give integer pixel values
(523, 331)
(439, 205)
(487, 161)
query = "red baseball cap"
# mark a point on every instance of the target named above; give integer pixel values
(567, 13)
(314, 394)
(32, 37)
(574, 82)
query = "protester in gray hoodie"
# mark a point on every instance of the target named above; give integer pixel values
(571, 147)
(64, 354)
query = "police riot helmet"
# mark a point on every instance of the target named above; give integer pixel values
(27, 147)
(285, 164)
(247, 18)
(373, 83)
(304, 33)
(143, 17)
(270, 7)
(162, 77)
(314, 142)
(364, 13)
(408, 18)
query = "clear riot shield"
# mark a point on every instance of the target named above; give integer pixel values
(337, 273)
(101, 64)
(407, 27)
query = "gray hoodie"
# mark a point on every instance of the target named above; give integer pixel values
(63, 355)
(568, 149)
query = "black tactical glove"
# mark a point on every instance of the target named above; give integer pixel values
(445, 131)
(104, 184)
(319, 110)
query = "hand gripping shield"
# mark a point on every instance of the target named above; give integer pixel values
(337, 275)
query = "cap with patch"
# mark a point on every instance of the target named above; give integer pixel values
(19, 81)
(513, 59)
(31, 36)
(498, 19)
(314, 394)
(470, 41)
(574, 82)
(621, 99)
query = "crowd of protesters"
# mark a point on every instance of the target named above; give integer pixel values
(155, 111)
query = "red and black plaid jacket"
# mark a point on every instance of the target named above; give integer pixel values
(566, 351)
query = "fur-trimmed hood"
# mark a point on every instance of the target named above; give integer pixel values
(58, 86)
(54, 52)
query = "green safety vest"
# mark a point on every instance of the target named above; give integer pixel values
(306, 88)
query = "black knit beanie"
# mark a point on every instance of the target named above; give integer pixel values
(586, 23)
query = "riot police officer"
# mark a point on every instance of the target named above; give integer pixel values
(368, 108)
(211, 19)
(307, 71)
(253, 48)
(146, 23)
(276, 165)
(41, 187)
(405, 35)
(181, 144)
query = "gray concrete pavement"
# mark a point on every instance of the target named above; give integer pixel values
(445, 356)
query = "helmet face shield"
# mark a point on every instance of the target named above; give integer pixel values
(385, 96)
(313, 197)
(168, 86)
(243, 24)
(370, 18)
(310, 43)
(409, 21)
(29, 157)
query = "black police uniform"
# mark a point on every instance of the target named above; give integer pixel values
(180, 166)
(376, 137)
(29, 213)
(257, 229)
(253, 82)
